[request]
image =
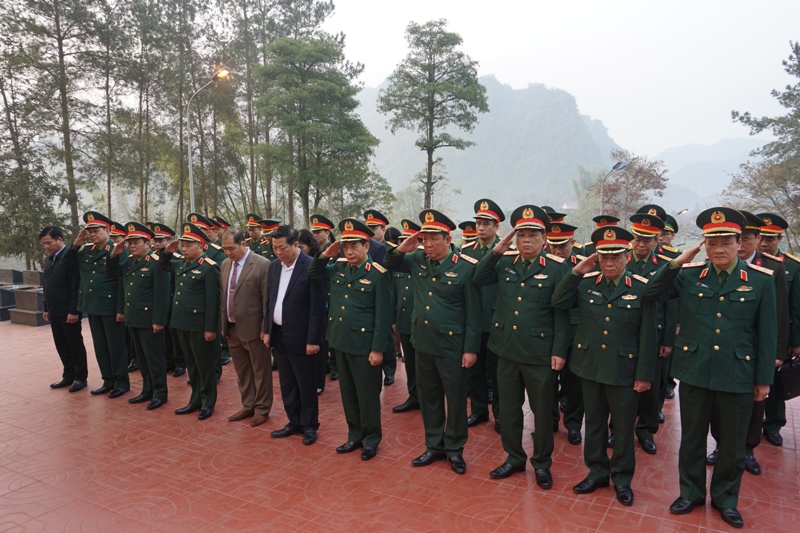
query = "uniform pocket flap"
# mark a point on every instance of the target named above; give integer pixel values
(685, 346)
(541, 332)
(628, 352)
(701, 292)
(629, 304)
(450, 330)
(741, 296)
(499, 324)
(746, 353)
(363, 328)
(582, 345)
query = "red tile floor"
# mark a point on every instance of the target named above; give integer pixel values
(74, 462)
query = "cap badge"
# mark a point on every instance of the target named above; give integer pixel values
(610, 235)
(157, 227)
(370, 216)
(90, 217)
(194, 218)
(314, 220)
(405, 225)
(555, 229)
(767, 221)
(187, 229)
(131, 227)
(527, 213)
(645, 222)
(484, 205)
(717, 217)
(652, 211)
(467, 227)
(429, 217)
(602, 221)
(348, 226)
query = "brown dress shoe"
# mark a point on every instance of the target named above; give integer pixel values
(241, 415)
(258, 420)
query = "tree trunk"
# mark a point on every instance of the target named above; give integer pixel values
(66, 133)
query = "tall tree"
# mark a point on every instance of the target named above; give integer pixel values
(435, 87)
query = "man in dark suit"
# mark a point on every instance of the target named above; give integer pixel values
(243, 280)
(294, 326)
(61, 285)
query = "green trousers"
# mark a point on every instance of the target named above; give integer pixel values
(442, 379)
(482, 379)
(620, 402)
(108, 337)
(201, 357)
(360, 386)
(149, 348)
(513, 380)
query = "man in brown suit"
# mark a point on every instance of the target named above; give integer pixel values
(243, 286)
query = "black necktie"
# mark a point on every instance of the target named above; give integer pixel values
(436, 263)
(484, 250)
(526, 265)
(611, 285)
(723, 277)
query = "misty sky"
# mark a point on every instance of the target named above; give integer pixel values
(659, 74)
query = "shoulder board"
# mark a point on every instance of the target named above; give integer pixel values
(177, 255)
(639, 278)
(577, 245)
(778, 259)
(579, 257)
(342, 260)
(763, 270)
(390, 244)
(469, 259)
(664, 257)
(592, 274)
(217, 246)
(263, 240)
(670, 248)
(792, 257)
(694, 265)
(469, 245)
(209, 261)
(588, 243)
(380, 268)
(511, 252)
(420, 247)
(154, 256)
(555, 258)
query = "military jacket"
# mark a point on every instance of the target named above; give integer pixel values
(488, 292)
(666, 312)
(146, 287)
(360, 313)
(195, 304)
(255, 246)
(404, 301)
(667, 251)
(99, 294)
(791, 265)
(615, 343)
(266, 249)
(214, 252)
(447, 305)
(728, 336)
(525, 327)
(775, 264)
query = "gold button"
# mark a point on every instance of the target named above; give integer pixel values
(685, 348)
(608, 319)
(741, 299)
(145, 309)
(91, 281)
(541, 335)
(700, 294)
(179, 293)
(522, 284)
(540, 285)
(404, 298)
(497, 324)
(182, 282)
(426, 322)
(128, 304)
(449, 282)
(519, 298)
(406, 287)
(131, 284)
(516, 312)
(194, 311)
(176, 303)
(630, 356)
(427, 307)
(514, 327)
(346, 296)
(450, 333)
(591, 301)
(342, 308)
(746, 357)
(721, 298)
(340, 319)
(129, 294)
(609, 306)
(90, 290)
(433, 279)
(717, 331)
(719, 315)
(430, 294)
(605, 333)
(94, 272)
(603, 346)
(716, 347)
(579, 345)
(349, 285)
(363, 330)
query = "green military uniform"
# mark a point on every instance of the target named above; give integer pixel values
(374, 218)
(359, 322)
(196, 310)
(614, 346)
(445, 325)
(725, 346)
(526, 333)
(101, 298)
(268, 225)
(146, 288)
(176, 362)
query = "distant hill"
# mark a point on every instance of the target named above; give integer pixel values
(528, 148)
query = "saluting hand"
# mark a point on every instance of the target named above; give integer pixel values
(172, 247)
(118, 249)
(505, 243)
(332, 250)
(81, 239)
(586, 265)
(409, 245)
(689, 254)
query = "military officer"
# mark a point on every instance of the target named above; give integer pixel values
(561, 242)
(724, 356)
(195, 316)
(359, 331)
(404, 310)
(468, 232)
(483, 375)
(445, 333)
(253, 239)
(667, 235)
(377, 223)
(600, 221)
(529, 336)
(771, 237)
(146, 288)
(176, 362)
(614, 355)
(211, 249)
(100, 297)
(117, 234)
(321, 229)
(268, 225)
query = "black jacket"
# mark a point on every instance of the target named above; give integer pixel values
(61, 285)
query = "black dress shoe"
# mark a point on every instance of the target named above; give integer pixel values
(427, 458)
(348, 447)
(661, 417)
(205, 412)
(670, 394)
(474, 420)
(505, 470)
(133, 367)
(624, 494)
(711, 459)
(388, 380)
(309, 436)
(574, 436)
(772, 436)
(588, 486)
(683, 506)
(191, 408)
(497, 426)
(140, 399)
(543, 478)
(648, 445)
(405, 407)
(101, 390)
(116, 393)
(285, 432)
(751, 465)
(178, 372)
(77, 385)
(226, 359)
(368, 453)
(334, 375)
(610, 441)
(730, 515)
(61, 384)
(457, 464)
(155, 403)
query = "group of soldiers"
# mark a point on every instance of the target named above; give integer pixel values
(597, 330)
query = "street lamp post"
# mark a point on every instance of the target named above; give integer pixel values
(222, 73)
(619, 165)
